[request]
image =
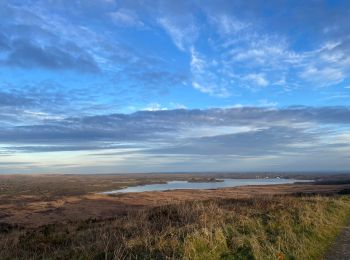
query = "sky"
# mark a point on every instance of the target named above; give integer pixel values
(115, 86)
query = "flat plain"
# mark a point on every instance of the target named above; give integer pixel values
(32, 203)
(35, 200)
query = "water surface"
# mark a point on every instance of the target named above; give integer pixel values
(223, 183)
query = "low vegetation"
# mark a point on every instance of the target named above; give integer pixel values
(260, 228)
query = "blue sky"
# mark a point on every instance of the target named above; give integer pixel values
(139, 86)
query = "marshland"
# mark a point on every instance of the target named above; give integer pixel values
(76, 221)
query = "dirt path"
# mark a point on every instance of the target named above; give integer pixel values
(341, 248)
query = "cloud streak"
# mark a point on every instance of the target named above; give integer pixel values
(249, 133)
(158, 126)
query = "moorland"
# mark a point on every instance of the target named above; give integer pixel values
(67, 217)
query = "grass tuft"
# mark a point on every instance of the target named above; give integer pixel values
(256, 228)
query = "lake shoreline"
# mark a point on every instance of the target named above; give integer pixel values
(200, 184)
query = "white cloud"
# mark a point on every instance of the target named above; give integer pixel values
(259, 49)
(35, 115)
(174, 105)
(227, 25)
(323, 76)
(209, 131)
(249, 57)
(257, 79)
(197, 62)
(328, 65)
(183, 35)
(160, 107)
(205, 76)
(267, 103)
(243, 54)
(252, 58)
(341, 96)
(155, 107)
(125, 17)
(212, 90)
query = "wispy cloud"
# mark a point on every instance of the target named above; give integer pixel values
(205, 76)
(183, 34)
(257, 79)
(227, 25)
(155, 123)
(125, 17)
(239, 132)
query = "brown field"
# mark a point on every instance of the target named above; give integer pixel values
(67, 217)
(36, 200)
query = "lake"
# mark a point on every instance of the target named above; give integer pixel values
(223, 183)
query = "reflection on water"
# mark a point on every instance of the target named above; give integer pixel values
(178, 185)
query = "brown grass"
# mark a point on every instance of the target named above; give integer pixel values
(35, 200)
(256, 228)
(62, 217)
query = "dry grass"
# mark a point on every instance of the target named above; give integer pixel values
(258, 228)
(36, 200)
